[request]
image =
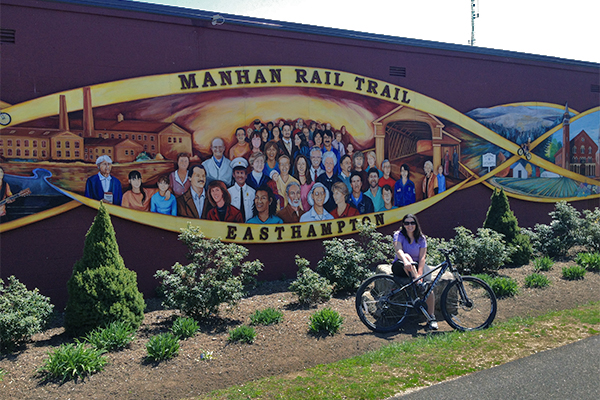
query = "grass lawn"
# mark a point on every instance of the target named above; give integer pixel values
(424, 361)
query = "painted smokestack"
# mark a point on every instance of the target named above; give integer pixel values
(566, 138)
(88, 113)
(63, 116)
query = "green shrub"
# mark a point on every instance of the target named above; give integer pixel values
(115, 336)
(244, 334)
(564, 232)
(521, 250)
(504, 286)
(23, 313)
(162, 347)
(590, 230)
(500, 218)
(573, 273)
(268, 316)
(377, 248)
(344, 264)
(589, 261)
(310, 287)
(486, 252)
(434, 256)
(326, 321)
(73, 361)
(185, 327)
(101, 290)
(536, 280)
(543, 264)
(199, 288)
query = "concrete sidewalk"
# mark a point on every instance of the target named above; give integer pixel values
(565, 373)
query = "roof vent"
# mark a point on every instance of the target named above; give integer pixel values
(7, 35)
(398, 71)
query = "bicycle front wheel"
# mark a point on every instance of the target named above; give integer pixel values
(469, 305)
(381, 305)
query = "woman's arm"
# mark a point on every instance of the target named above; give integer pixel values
(406, 260)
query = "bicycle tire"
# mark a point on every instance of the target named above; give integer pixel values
(520, 151)
(379, 311)
(476, 311)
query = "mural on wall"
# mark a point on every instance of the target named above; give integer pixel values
(271, 154)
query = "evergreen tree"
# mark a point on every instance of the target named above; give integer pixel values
(500, 217)
(101, 290)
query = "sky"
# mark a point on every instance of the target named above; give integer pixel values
(565, 29)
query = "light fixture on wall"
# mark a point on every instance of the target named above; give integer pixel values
(218, 20)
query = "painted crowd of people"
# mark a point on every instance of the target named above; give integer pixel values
(275, 173)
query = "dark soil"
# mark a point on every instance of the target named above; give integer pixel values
(285, 348)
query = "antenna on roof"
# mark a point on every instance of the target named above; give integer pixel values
(474, 14)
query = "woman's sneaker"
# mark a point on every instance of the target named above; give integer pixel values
(433, 325)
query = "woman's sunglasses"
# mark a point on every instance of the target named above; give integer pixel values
(407, 223)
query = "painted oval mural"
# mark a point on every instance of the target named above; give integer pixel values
(266, 154)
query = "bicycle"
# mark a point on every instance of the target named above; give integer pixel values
(383, 301)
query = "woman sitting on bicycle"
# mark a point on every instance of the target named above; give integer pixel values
(411, 245)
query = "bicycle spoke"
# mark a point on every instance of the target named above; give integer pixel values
(471, 309)
(380, 305)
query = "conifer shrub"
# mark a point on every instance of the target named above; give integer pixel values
(23, 313)
(500, 217)
(310, 287)
(216, 275)
(521, 250)
(101, 289)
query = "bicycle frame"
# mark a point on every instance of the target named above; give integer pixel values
(442, 267)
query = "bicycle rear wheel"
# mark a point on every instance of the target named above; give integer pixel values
(381, 305)
(468, 306)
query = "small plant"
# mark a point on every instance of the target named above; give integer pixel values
(115, 336)
(185, 327)
(199, 288)
(22, 313)
(310, 287)
(504, 286)
(536, 280)
(267, 316)
(589, 261)
(543, 264)
(2, 373)
(344, 264)
(73, 361)
(244, 334)
(573, 273)
(326, 320)
(162, 347)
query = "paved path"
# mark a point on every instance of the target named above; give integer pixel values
(565, 373)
